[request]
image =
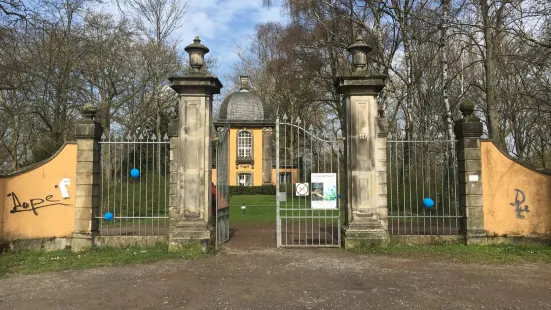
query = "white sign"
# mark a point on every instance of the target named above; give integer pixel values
(473, 178)
(324, 191)
(302, 189)
(63, 187)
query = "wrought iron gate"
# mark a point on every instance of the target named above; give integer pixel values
(222, 215)
(420, 170)
(307, 186)
(134, 185)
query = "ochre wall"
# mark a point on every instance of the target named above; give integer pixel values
(257, 153)
(281, 170)
(506, 185)
(294, 174)
(55, 216)
(257, 169)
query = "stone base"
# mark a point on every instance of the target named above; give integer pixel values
(42, 244)
(82, 242)
(474, 237)
(191, 234)
(480, 240)
(364, 234)
(129, 241)
(427, 239)
(519, 240)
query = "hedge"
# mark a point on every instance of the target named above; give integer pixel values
(253, 190)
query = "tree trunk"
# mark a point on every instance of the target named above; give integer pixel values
(444, 47)
(490, 66)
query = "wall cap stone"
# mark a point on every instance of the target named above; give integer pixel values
(360, 84)
(195, 84)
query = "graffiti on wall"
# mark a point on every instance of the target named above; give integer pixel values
(37, 203)
(519, 205)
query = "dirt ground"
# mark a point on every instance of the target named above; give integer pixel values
(250, 273)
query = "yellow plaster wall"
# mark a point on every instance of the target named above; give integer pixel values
(501, 178)
(257, 169)
(51, 221)
(257, 153)
(294, 174)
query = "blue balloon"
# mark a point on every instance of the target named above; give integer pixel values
(429, 203)
(108, 216)
(135, 173)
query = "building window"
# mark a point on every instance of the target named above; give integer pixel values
(284, 177)
(244, 146)
(245, 179)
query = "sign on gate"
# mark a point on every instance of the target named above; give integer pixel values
(324, 191)
(302, 189)
(308, 165)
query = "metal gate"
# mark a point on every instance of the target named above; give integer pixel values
(419, 171)
(134, 185)
(307, 186)
(222, 215)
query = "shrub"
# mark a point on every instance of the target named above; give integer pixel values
(253, 190)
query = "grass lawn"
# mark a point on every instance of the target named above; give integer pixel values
(489, 254)
(30, 262)
(259, 209)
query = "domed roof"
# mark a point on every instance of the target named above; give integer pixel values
(244, 105)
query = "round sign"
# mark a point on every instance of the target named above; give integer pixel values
(302, 189)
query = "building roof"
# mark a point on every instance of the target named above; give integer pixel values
(243, 105)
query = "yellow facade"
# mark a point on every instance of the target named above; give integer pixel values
(39, 187)
(517, 200)
(293, 171)
(254, 169)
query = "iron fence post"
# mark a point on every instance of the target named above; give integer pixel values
(278, 221)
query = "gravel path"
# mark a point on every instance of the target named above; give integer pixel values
(267, 278)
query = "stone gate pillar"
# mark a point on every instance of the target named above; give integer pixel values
(88, 183)
(191, 166)
(365, 131)
(468, 131)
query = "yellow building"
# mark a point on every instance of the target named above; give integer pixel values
(251, 140)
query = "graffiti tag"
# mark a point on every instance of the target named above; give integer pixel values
(34, 203)
(520, 198)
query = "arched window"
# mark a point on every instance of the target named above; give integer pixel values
(245, 145)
